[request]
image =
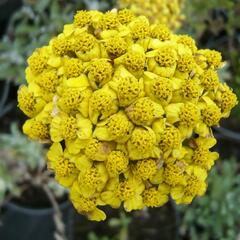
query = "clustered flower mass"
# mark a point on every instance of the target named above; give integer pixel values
(128, 109)
(158, 11)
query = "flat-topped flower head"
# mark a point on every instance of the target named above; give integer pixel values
(127, 107)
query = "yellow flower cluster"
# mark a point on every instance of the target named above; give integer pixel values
(128, 109)
(158, 11)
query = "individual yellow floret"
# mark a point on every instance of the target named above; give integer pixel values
(31, 105)
(73, 67)
(154, 198)
(161, 32)
(139, 28)
(60, 46)
(98, 150)
(204, 158)
(159, 89)
(146, 168)
(82, 18)
(195, 186)
(84, 42)
(74, 100)
(37, 62)
(189, 115)
(188, 42)
(166, 57)
(109, 20)
(129, 191)
(134, 61)
(226, 99)
(36, 129)
(116, 163)
(48, 80)
(86, 206)
(128, 89)
(60, 161)
(125, 16)
(190, 90)
(210, 80)
(213, 58)
(92, 180)
(185, 63)
(115, 46)
(117, 127)
(169, 139)
(144, 111)
(99, 72)
(211, 115)
(102, 104)
(142, 144)
(174, 173)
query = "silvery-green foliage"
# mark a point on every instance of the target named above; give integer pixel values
(22, 161)
(217, 214)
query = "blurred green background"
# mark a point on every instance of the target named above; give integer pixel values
(26, 25)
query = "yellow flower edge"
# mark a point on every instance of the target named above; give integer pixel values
(158, 11)
(127, 107)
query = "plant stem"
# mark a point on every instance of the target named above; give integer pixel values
(60, 228)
